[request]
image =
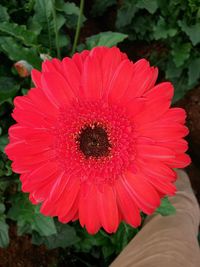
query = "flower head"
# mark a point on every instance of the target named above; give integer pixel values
(96, 139)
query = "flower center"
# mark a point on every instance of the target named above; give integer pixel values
(93, 141)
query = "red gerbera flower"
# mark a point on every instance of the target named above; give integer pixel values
(96, 140)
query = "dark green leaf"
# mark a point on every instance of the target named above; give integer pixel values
(194, 71)
(105, 39)
(71, 12)
(87, 241)
(172, 71)
(100, 6)
(3, 14)
(126, 13)
(17, 52)
(123, 235)
(150, 5)
(65, 237)
(193, 31)
(44, 225)
(19, 32)
(162, 30)
(181, 53)
(43, 17)
(2, 209)
(26, 214)
(4, 237)
(166, 208)
(8, 89)
(181, 86)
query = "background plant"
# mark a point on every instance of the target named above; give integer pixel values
(165, 32)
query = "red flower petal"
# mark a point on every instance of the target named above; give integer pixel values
(119, 83)
(88, 214)
(36, 77)
(110, 63)
(143, 193)
(56, 89)
(107, 208)
(72, 75)
(127, 205)
(92, 79)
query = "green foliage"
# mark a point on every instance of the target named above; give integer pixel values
(194, 71)
(29, 218)
(100, 6)
(65, 237)
(150, 5)
(16, 51)
(162, 30)
(3, 14)
(108, 39)
(4, 237)
(108, 244)
(192, 31)
(175, 25)
(166, 208)
(8, 88)
(125, 14)
(19, 32)
(70, 12)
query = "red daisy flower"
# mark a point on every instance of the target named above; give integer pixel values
(96, 140)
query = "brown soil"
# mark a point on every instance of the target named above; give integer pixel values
(191, 103)
(21, 253)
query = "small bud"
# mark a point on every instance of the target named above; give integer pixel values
(23, 68)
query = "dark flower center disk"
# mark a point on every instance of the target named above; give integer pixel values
(93, 141)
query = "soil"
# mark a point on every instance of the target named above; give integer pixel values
(21, 253)
(191, 103)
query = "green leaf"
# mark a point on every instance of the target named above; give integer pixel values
(43, 18)
(181, 53)
(122, 237)
(87, 241)
(150, 5)
(100, 6)
(4, 237)
(2, 208)
(108, 39)
(65, 237)
(193, 31)
(194, 71)
(126, 13)
(17, 52)
(3, 138)
(181, 86)
(44, 225)
(68, 8)
(29, 218)
(71, 12)
(19, 32)
(3, 14)
(162, 30)
(8, 89)
(172, 71)
(166, 208)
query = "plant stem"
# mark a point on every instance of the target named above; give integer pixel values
(55, 29)
(78, 27)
